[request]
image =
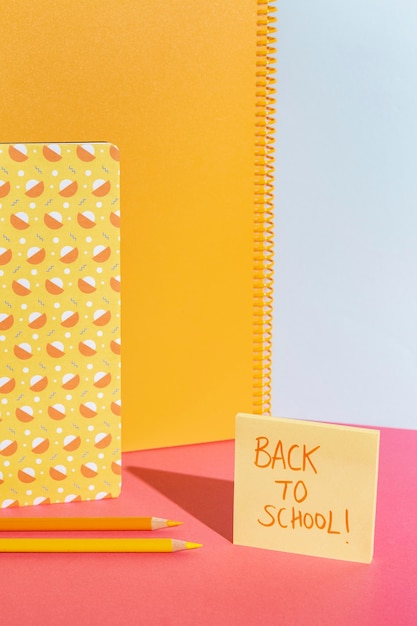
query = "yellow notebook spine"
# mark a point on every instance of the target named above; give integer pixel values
(264, 197)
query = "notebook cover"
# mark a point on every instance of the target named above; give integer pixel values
(60, 388)
(184, 88)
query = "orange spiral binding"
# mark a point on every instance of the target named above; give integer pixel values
(264, 216)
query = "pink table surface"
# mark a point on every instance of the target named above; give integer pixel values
(220, 583)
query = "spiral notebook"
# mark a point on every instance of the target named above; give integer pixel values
(185, 90)
(60, 377)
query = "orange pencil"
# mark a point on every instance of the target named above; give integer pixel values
(85, 523)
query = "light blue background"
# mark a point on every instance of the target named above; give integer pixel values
(345, 318)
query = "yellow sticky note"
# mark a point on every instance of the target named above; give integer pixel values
(60, 387)
(305, 487)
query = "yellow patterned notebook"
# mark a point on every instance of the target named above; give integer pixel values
(60, 388)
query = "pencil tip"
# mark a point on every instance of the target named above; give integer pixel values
(189, 545)
(171, 523)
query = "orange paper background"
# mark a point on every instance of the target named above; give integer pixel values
(173, 85)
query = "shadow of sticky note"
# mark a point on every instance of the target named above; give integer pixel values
(210, 500)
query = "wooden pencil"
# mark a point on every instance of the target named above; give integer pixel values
(84, 523)
(95, 545)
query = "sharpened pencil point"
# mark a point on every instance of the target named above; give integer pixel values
(171, 522)
(189, 545)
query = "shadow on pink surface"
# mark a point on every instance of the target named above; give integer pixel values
(210, 500)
